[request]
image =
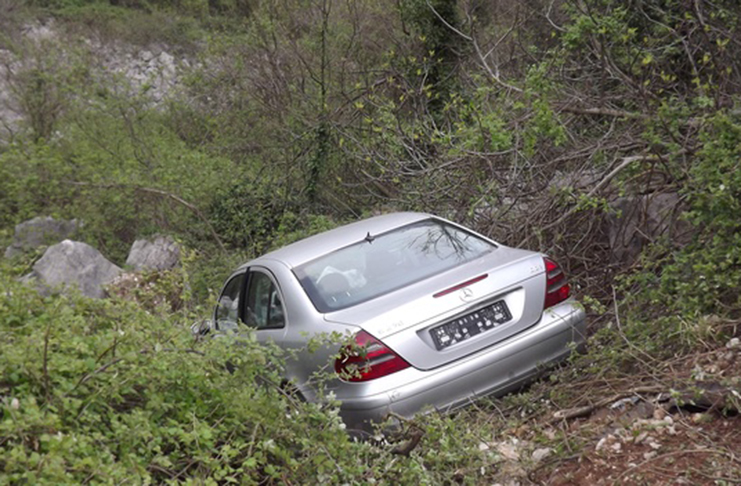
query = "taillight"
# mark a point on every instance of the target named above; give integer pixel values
(556, 287)
(367, 360)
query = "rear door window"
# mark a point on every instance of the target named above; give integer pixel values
(263, 305)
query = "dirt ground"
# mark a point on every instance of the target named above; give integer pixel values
(680, 448)
(679, 425)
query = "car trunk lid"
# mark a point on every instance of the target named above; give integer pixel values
(505, 287)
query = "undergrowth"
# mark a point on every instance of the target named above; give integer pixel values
(102, 391)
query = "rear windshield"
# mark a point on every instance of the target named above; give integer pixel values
(381, 264)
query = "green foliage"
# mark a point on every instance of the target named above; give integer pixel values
(428, 20)
(247, 213)
(255, 215)
(138, 23)
(30, 178)
(703, 276)
(60, 4)
(294, 227)
(657, 46)
(196, 8)
(683, 293)
(44, 82)
(477, 125)
(116, 167)
(103, 391)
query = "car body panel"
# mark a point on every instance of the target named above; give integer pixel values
(492, 361)
(309, 248)
(302, 324)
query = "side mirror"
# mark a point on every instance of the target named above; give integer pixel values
(201, 328)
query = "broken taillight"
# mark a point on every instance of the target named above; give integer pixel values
(367, 359)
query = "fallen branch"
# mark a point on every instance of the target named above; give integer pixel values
(671, 454)
(604, 112)
(572, 413)
(411, 436)
(704, 395)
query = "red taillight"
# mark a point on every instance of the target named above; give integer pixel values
(556, 287)
(367, 360)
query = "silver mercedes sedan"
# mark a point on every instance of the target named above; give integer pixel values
(437, 314)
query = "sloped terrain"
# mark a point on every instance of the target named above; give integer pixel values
(604, 134)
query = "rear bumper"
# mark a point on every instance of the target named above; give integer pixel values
(497, 369)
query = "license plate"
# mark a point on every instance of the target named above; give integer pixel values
(470, 325)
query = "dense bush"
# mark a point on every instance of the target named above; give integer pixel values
(684, 293)
(104, 392)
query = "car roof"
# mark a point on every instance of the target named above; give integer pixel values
(315, 246)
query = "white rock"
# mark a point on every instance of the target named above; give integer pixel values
(601, 444)
(542, 453)
(73, 264)
(159, 253)
(508, 451)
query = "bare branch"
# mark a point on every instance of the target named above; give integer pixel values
(604, 112)
(447, 24)
(626, 161)
(482, 58)
(159, 192)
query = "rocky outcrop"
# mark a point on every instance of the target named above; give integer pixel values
(638, 220)
(72, 264)
(152, 71)
(159, 253)
(40, 231)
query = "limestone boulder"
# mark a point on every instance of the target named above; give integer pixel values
(73, 264)
(157, 253)
(40, 231)
(638, 220)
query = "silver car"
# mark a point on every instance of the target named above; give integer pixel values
(439, 314)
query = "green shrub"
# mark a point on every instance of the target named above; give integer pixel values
(101, 391)
(247, 213)
(703, 276)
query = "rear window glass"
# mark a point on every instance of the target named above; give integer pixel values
(380, 264)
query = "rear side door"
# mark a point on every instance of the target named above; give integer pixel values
(263, 308)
